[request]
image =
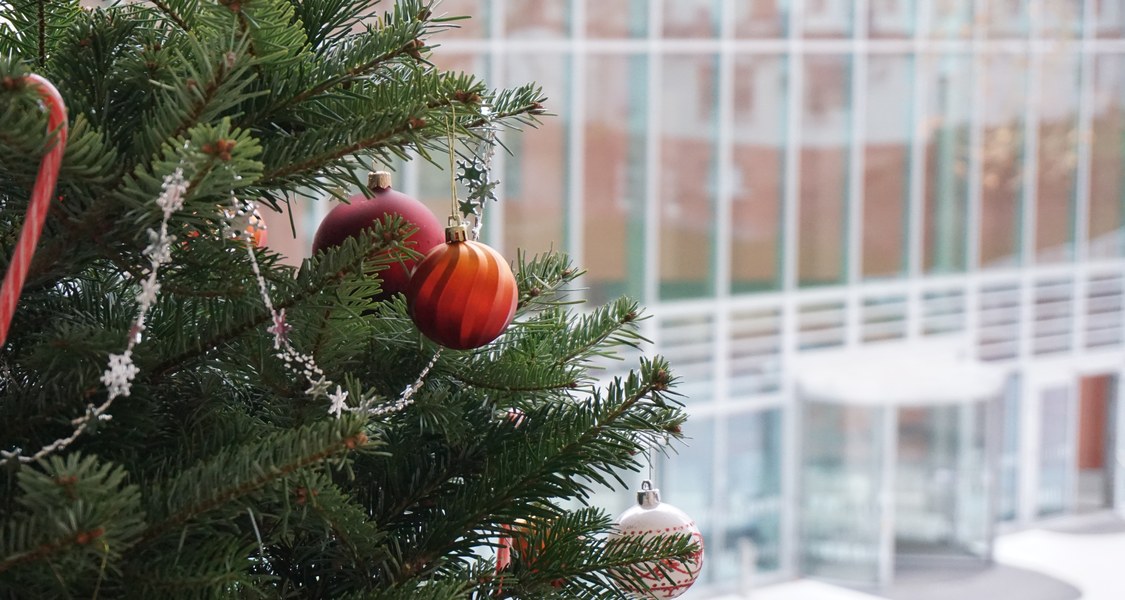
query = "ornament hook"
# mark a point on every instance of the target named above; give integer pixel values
(453, 217)
(455, 231)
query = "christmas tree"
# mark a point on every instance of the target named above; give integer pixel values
(183, 415)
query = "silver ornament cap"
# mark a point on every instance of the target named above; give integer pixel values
(648, 497)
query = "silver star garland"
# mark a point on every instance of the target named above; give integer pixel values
(474, 174)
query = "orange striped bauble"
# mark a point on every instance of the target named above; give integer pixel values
(463, 294)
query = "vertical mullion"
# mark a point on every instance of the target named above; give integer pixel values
(652, 160)
(576, 139)
(791, 459)
(723, 258)
(1031, 407)
(796, 63)
(976, 167)
(916, 203)
(1082, 180)
(724, 143)
(1029, 447)
(886, 486)
(493, 231)
(1073, 405)
(856, 161)
(1030, 198)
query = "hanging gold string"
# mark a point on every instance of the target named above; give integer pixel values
(454, 218)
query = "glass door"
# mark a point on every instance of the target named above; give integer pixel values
(943, 501)
(1057, 452)
(843, 513)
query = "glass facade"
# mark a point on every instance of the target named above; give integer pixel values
(775, 178)
(534, 187)
(1057, 132)
(757, 171)
(887, 172)
(826, 126)
(949, 85)
(613, 189)
(1107, 149)
(1002, 153)
(687, 175)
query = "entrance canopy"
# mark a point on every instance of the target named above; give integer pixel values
(895, 464)
(896, 375)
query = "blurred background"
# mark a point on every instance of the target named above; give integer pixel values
(882, 244)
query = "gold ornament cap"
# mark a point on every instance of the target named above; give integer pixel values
(379, 180)
(456, 232)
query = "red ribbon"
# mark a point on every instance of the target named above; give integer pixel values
(37, 208)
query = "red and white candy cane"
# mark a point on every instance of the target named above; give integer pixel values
(40, 202)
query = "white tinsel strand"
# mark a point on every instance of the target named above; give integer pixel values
(407, 397)
(120, 370)
(296, 361)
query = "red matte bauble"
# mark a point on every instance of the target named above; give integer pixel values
(347, 220)
(462, 295)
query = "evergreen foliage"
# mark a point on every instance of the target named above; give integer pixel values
(219, 475)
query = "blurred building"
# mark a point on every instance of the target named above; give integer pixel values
(786, 181)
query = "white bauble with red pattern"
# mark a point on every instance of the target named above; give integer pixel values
(651, 518)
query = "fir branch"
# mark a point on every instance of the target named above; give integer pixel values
(533, 358)
(357, 541)
(570, 552)
(503, 494)
(342, 435)
(32, 30)
(71, 507)
(203, 566)
(452, 589)
(262, 317)
(222, 72)
(175, 17)
(330, 20)
(42, 33)
(542, 280)
(613, 325)
(343, 64)
(53, 547)
(273, 37)
(273, 178)
(171, 363)
(350, 74)
(413, 130)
